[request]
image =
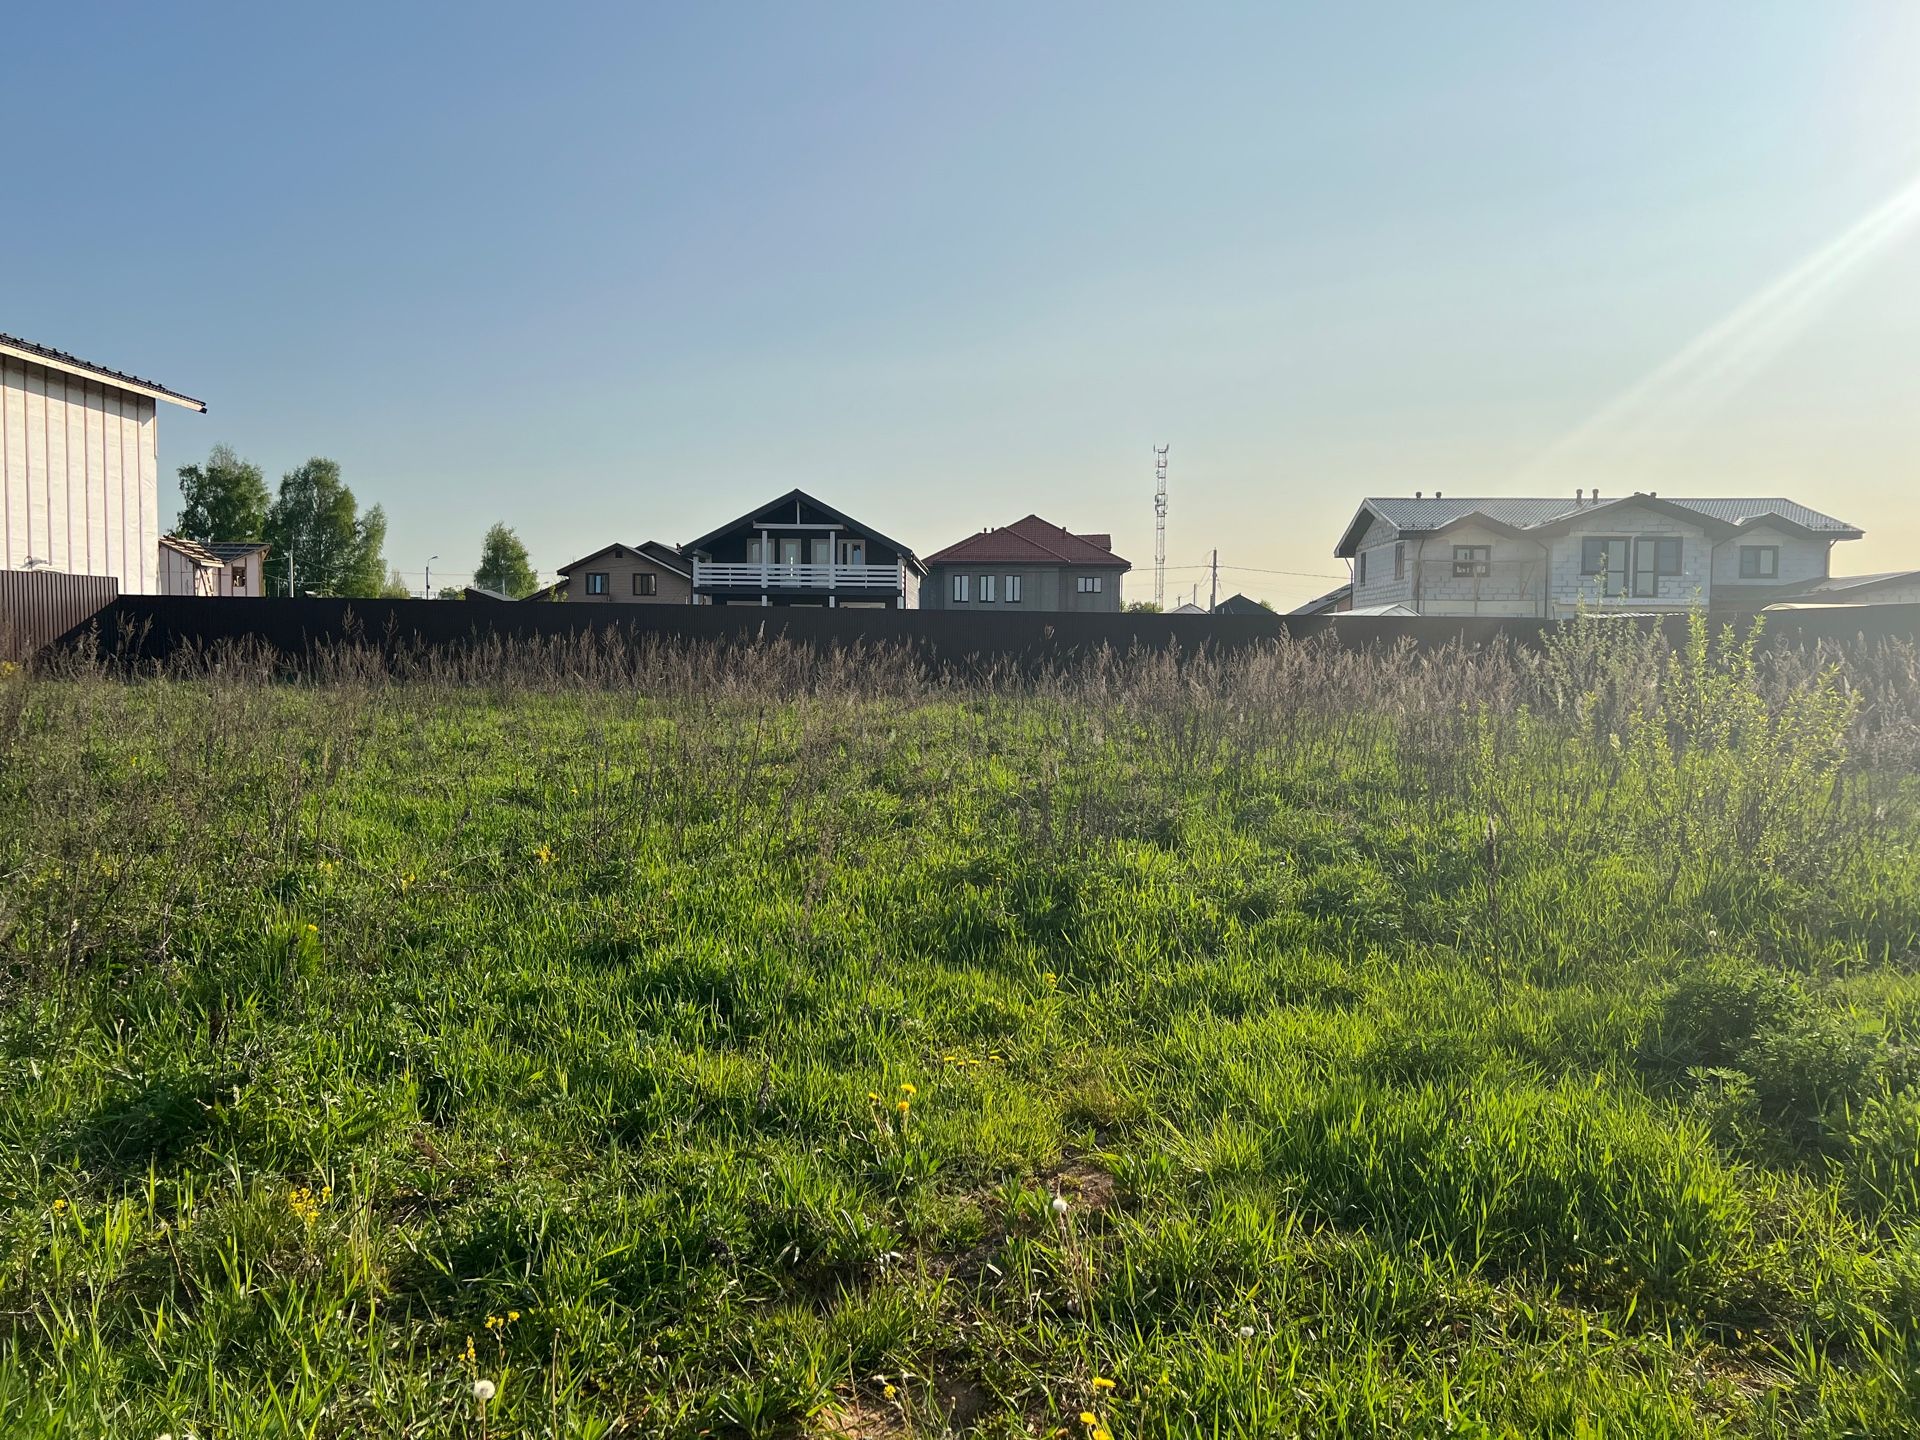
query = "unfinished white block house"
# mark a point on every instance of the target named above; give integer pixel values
(1553, 557)
(80, 466)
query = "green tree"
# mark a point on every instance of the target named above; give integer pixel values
(1142, 607)
(504, 565)
(316, 525)
(395, 588)
(224, 499)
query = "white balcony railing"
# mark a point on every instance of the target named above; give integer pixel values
(871, 579)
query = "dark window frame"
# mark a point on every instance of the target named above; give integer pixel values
(1750, 562)
(1013, 589)
(1646, 578)
(645, 583)
(1400, 560)
(1470, 561)
(599, 582)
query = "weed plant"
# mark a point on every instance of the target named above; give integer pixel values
(759, 1042)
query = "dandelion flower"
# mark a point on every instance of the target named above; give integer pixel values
(889, 1392)
(312, 929)
(1059, 1204)
(60, 1206)
(513, 1315)
(904, 1106)
(908, 1089)
(483, 1390)
(1087, 1417)
(874, 1096)
(1100, 1382)
(1246, 1332)
(1100, 1432)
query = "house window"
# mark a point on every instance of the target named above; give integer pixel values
(986, 588)
(1092, 584)
(239, 577)
(1400, 562)
(851, 552)
(959, 589)
(1472, 560)
(1604, 558)
(1013, 589)
(596, 582)
(1655, 558)
(646, 584)
(1360, 569)
(1759, 562)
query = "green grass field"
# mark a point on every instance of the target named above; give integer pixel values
(1306, 1044)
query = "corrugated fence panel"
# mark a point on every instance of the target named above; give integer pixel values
(154, 627)
(37, 607)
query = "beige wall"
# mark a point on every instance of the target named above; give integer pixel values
(181, 575)
(620, 569)
(255, 580)
(79, 476)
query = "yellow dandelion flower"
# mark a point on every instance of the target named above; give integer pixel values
(1100, 1432)
(1100, 1382)
(874, 1096)
(544, 855)
(904, 1106)
(1087, 1417)
(60, 1206)
(513, 1315)
(312, 929)
(908, 1089)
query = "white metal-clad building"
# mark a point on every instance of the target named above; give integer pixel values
(79, 466)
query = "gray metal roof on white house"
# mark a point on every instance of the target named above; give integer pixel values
(1420, 513)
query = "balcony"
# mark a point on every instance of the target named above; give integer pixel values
(755, 577)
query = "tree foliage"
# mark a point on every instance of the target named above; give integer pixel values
(316, 524)
(504, 565)
(224, 499)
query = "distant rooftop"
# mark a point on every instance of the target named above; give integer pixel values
(1420, 513)
(73, 364)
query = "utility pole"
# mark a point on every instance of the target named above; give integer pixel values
(1213, 594)
(1160, 526)
(289, 572)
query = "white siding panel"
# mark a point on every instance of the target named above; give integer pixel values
(13, 461)
(41, 500)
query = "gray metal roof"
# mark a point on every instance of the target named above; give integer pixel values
(1421, 514)
(1523, 513)
(234, 549)
(118, 377)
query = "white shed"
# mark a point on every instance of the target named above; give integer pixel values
(79, 466)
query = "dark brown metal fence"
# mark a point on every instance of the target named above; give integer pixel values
(37, 607)
(153, 627)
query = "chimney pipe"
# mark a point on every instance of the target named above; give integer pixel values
(1580, 497)
(1416, 495)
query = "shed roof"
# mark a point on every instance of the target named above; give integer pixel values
(60, 360)
(193, 550)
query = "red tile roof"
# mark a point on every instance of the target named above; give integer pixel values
(1031, 541)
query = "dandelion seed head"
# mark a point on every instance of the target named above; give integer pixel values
(1246, 1332)
(1059, 1204)
(483, 1390)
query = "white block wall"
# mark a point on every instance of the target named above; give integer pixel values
(1801, 559)
(1513, 585)
(1693, 586)
(79, 476)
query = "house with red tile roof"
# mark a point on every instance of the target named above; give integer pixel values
(1031, 564)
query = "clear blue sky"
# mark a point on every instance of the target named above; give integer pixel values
(618, 272)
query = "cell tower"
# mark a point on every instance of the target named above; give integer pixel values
(1160, 526)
